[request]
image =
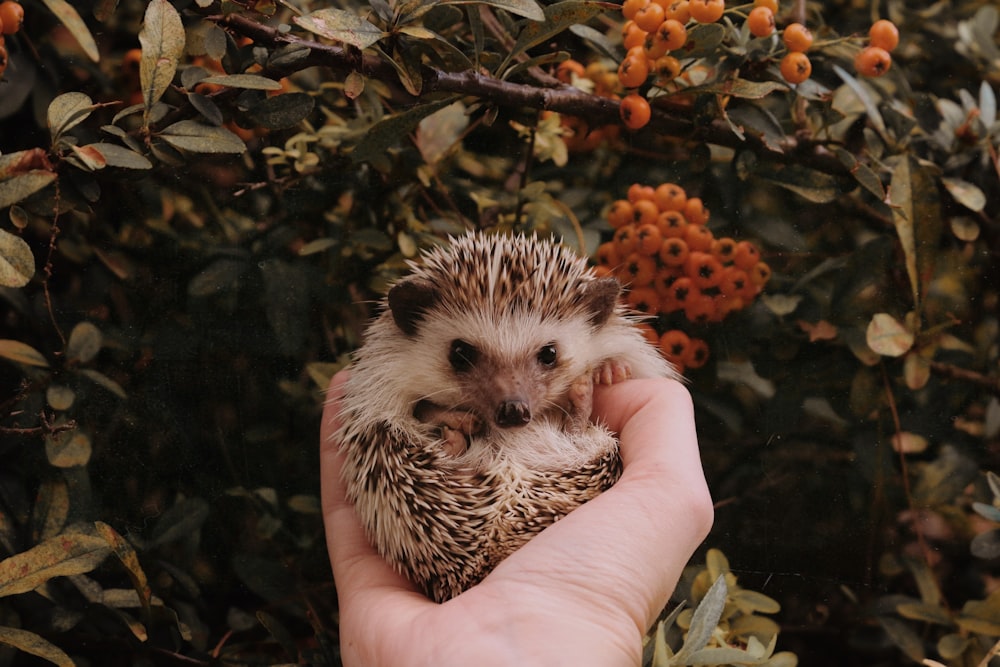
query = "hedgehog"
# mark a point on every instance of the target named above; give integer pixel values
(466, 421)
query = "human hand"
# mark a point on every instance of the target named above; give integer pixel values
(582, 592)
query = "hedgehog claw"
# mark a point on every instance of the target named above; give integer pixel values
(612, 371)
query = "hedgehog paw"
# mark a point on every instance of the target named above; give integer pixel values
(581, 402)
(612, 371)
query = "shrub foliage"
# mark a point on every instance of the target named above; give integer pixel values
(200, 200)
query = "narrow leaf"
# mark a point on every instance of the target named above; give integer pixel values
(526, 8)
(248, 81)
(704, 621)
(22, 353)
(33, 644)
(901, 197)
(341, 25)
(60, 556)
(130, 559)
(71, 19)
(557, 17)
(119, 156)
(390, 131)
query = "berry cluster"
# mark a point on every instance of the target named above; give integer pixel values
(11, 18)
(671, 262)
(655, 29)
(874, 59)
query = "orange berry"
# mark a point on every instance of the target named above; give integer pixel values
(638, 192)
(11, 16)
(673, 252)
(695, 211)
(3, 56)
(699, 308)
(760, 274)
(635, 111)
(795, 67)
(673, 34)
(734, 282)
(644, 300)
(649, 239)
(633, 35)
(638, 270)
(649, 17)
(746, 255)
(725, 304)
(770, 4)
(620, 213)
(666, 68)
(696, 353)
(698, 238)
(872, 61)
(654, 47)
(672, 224)
(631, 7)
(683, 289)
(644, 212)
(760, 21)
(723, 249)
(704, 270)
(674, 344)
(567, 69)
(662, 281)
(608, 255)
(633, 71)
(130, 62)
(625, 239)
(678, 10)
(670, 197)
(884, 34)
(706, 11)
(797, 37)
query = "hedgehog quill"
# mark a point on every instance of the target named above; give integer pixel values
(466, 419)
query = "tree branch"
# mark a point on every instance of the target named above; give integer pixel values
(561, 99)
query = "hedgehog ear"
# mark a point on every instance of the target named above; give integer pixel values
(601, 298)
(409, 300)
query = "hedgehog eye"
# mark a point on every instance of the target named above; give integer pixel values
(462, 355)
(547, 355)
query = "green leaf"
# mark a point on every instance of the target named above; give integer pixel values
(119, 156)
(104, 381)
(29, 642)
(887, 336)
(22, 353)
(20, 187)
(162, 39)
(965, 193)
(703, 40)
(85, 342)
(67, 111)
(180, 521)
(704, 621)
(861, 172)
(916, 213)
(341, 25)
(391, 131)
(71, 19)
(921, 611)
(197, 137)
(17, 264)
(952, 646)
(871, 107)
(248, 81)
(903, 637)
(64, 555)
(557, 17)
(526, 8)
(750, 602)
(60, 397)
(127, 556)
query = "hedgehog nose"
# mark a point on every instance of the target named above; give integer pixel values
(513, 413)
